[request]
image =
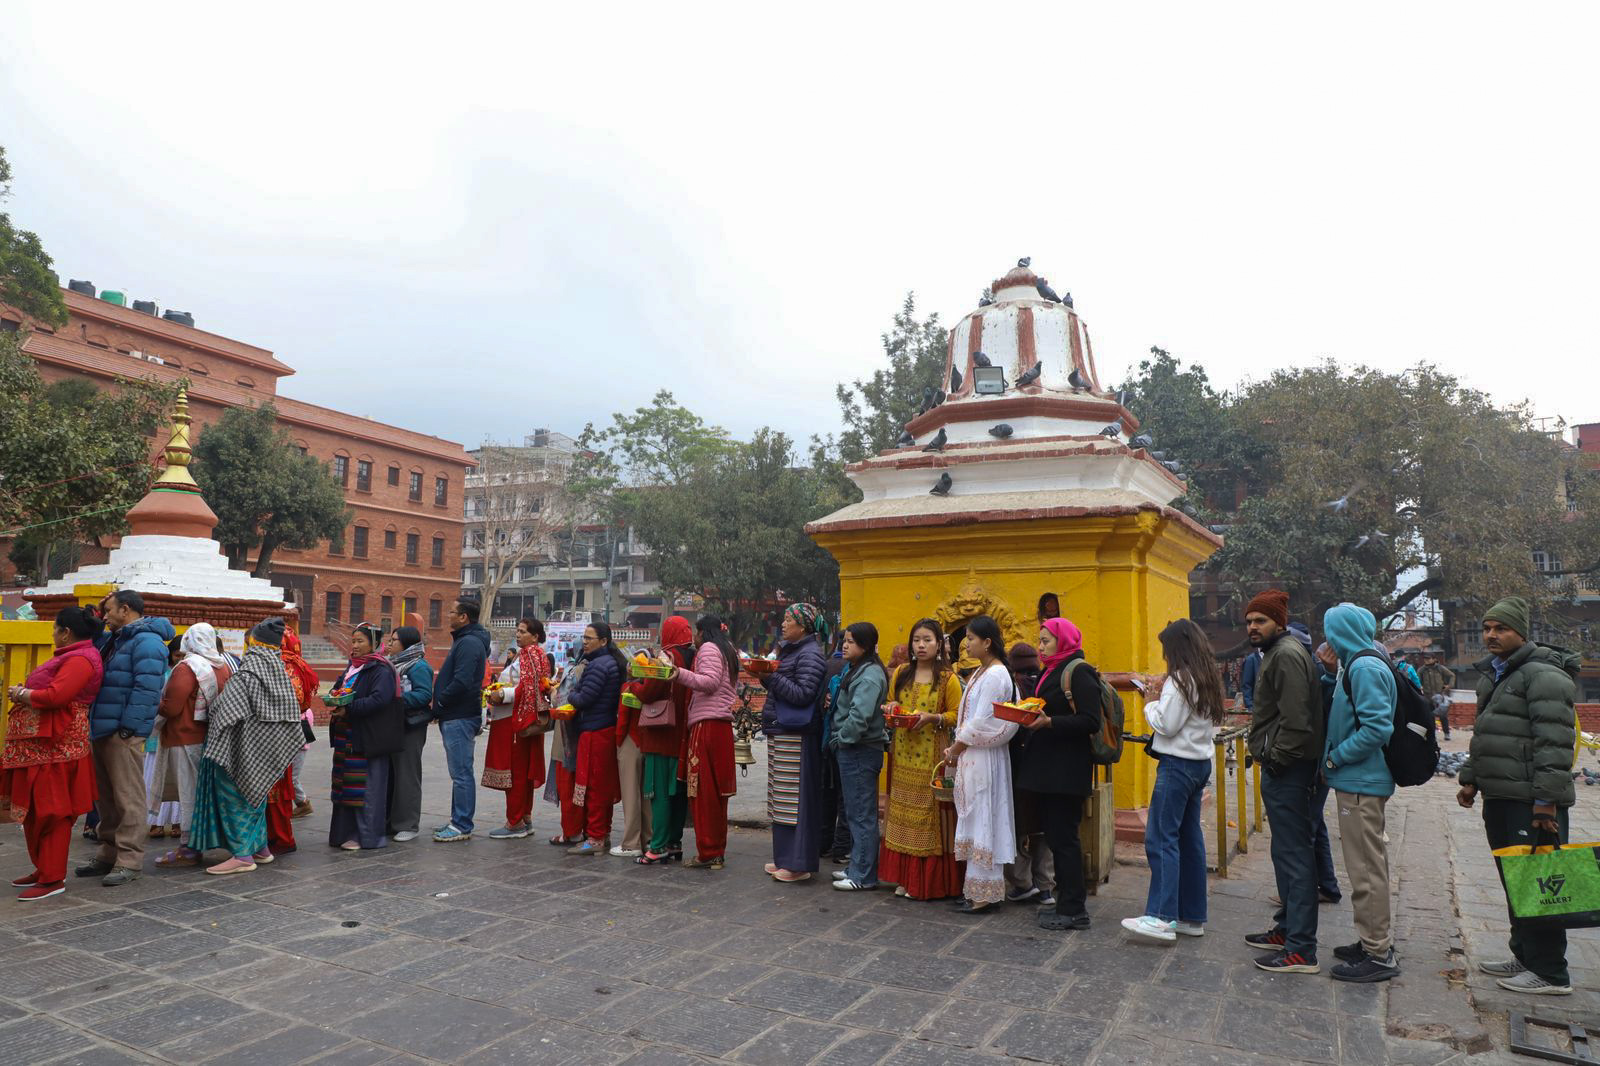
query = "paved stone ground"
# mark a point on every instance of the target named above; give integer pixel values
(536, 957)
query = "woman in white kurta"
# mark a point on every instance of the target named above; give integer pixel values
(985, 831)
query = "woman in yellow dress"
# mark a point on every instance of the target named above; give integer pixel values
(918, 852)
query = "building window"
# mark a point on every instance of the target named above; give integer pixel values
(435, 612)
(363, 475)
(413, 545)
(386, 608)
(358, 607)
(390, 538)
(358, 546)
(333, 608)
(471, 574)
(408, 607)
(341, 469)
(438, 551)
(394, 476)
(415, 490)
(441, 491)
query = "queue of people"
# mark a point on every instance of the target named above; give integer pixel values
(904, 775)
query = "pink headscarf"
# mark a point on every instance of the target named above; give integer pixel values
(1069, 640)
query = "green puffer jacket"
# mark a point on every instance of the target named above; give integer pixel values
(1286, 723)
(1522, 739)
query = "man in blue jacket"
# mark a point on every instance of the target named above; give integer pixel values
(1359, 726)
(458, 708)
(119, 723)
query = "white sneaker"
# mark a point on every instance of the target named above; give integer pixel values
(839, 875)
(626, 853)
(405, 835)
(1189, 928)
(1533, 985)
(1150, 928)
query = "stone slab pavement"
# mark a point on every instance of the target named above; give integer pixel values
(495, 952)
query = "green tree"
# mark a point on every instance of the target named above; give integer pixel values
(875, 410)
(73, 458)
(1365, 485)
(266, 494)
(27, 277)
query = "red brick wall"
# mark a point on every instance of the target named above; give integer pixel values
(1462, 714)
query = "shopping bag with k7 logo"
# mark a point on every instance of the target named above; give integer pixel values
(1555, 886)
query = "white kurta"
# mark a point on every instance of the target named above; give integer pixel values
(986, 837)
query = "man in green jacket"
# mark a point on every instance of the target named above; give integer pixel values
(1521, 760)
(1286, 734)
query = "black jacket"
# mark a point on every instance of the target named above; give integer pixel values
(373, 696)
(1056, 759)
(458, 690)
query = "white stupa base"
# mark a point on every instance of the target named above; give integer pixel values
(170, 566)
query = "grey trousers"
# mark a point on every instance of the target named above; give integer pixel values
(405, 783)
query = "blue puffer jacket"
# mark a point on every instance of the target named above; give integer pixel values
(598, 691)
(794, 689)
(1359, 725)
(136, 667)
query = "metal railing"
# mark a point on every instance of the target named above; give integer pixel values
(1247, 782)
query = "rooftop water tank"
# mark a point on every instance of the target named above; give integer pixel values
(84, 287)
(182, 318)
(112, 296)
(145, 306)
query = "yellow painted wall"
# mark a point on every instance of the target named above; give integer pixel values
(1121, 578)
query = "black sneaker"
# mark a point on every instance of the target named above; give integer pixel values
(1021, 895)
(1327, 897)
(1350, 952)
(1367, 970)
(1288, 962)
(1052, 920)
(97, 868)
(1271, 939)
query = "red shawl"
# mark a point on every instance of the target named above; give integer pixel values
(301, 676)
(533, 667)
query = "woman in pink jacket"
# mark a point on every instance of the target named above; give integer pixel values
(706, 768)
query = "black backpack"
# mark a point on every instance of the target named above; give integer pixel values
(1413, 750)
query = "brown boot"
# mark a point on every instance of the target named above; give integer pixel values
(301, 809)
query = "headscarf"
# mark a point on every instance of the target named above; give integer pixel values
(1069, 641)
(675, 631)
(200, 655)
(804, 615)
(301, 676)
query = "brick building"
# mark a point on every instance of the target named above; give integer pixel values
(402, 552)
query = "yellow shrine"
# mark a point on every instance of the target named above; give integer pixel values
(1038, 488)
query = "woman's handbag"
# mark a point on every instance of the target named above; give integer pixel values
(310, 734)
(1552, 885)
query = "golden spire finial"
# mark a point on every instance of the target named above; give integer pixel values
(178, 452)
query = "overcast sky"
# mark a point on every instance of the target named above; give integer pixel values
(480, 219)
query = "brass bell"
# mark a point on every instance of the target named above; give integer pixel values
(742, 753)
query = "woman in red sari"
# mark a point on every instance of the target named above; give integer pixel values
(46, 771)
(280, 802)
(514, 761)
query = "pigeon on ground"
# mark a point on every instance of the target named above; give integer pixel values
(1113, 430)
(1067, 300)
(1046, 292)
(979, 359)
(1143, 440)
(1030, 375)
(942, 486)
(955, 380)
(1078, 381)
(1002, 431)
(1024, 261)
(906, 439)
(937, 443)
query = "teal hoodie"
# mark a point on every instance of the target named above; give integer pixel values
(1359, 725)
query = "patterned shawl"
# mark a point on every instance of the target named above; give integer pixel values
(255, 725)
(533, 667)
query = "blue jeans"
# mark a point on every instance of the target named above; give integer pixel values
(460, 739)
(1287, 792)
(859, 765)
(1327, 880)
(1174, 842)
